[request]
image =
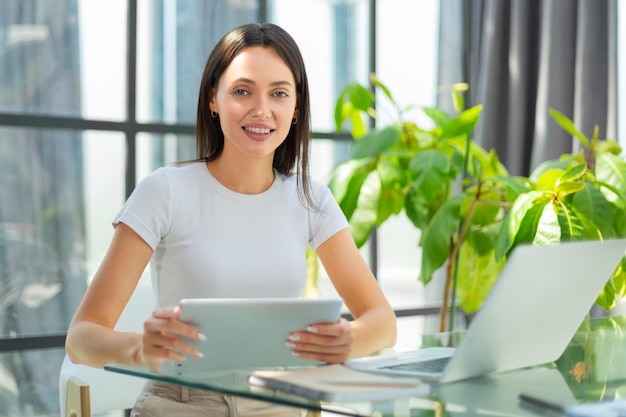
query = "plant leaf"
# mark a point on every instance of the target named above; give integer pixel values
(437, 115)
(490, 166)
(549, 228)
(429, 170)
(346, 183)
(548, 180)
(574, 173)
(360, 97)
(593, 205)
(358, 125)
(376, 141)
(608, 146)
(570, 225)
(615, 286)
(611, 170)
(484, 213)
(457, 100)
(569, 126)
(607, 298)
(477, 274)
(567, 188)
(513, 187)
(530, 223)
(353, 99)
(393, 183)
(383, 87)
(435, 240)
(619, 222)
(416, 208)
(562, 164)
(511, 226)
(365, 214)
(462, 124)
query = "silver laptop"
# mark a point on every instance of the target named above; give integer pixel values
(540, 299)
(249, 332)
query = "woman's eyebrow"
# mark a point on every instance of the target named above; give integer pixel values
(274, 84)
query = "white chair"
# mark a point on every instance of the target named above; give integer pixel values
(84, 390)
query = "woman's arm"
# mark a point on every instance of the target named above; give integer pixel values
(91, 339)
(374, 325)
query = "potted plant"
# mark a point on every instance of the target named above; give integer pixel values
(470, 211)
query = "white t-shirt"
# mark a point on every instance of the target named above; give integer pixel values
(209, 241)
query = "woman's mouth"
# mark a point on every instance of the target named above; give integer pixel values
(259, 130)
(259, 134)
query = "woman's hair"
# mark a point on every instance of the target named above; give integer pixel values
(209, 136)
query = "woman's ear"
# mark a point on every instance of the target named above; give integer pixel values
(212, 103)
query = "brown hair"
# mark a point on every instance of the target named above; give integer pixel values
(209, 136)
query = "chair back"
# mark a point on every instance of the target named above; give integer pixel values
(109, 391)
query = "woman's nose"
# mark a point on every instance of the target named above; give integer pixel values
(262, 108)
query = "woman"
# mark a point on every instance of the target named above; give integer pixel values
(234, 223)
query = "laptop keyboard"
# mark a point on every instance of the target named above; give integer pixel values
(433, 365)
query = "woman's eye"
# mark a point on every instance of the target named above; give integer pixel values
(240, 92)
(281, 94)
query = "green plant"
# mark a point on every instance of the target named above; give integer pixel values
(471, 212)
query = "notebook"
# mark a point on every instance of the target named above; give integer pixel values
(540, 299)
(248, 332)
(337, 383)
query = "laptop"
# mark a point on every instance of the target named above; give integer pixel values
(248, 332)
(532, 312)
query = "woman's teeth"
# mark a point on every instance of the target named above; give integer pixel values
(258, 129)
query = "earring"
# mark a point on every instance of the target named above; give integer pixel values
(213, 114)
(294, 120)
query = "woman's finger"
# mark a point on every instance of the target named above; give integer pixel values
(165, 320)
(167, 312)
(326, 334)
(164, 338)
(326, 342)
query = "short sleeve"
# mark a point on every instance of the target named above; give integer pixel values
(327, 219)
(148, 210)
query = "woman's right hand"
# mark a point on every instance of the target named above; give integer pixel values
(162, 338)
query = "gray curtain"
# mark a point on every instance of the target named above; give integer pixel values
(523, 57)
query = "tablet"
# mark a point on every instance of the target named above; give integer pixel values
(249, 332)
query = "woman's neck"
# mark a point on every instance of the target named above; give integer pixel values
(249, 178)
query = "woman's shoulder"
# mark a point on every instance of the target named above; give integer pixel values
(319, 191)
(292, 181)
(167, 179)
(176, 172)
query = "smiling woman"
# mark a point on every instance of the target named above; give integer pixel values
(248, 197)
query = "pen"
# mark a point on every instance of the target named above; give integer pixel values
(541, 403)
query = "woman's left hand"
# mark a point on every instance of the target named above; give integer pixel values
(325, 342)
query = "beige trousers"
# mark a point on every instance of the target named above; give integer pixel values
(160, 399)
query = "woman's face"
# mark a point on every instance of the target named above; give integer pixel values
(256, 102)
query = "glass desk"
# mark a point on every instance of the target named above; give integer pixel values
(592, 368)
